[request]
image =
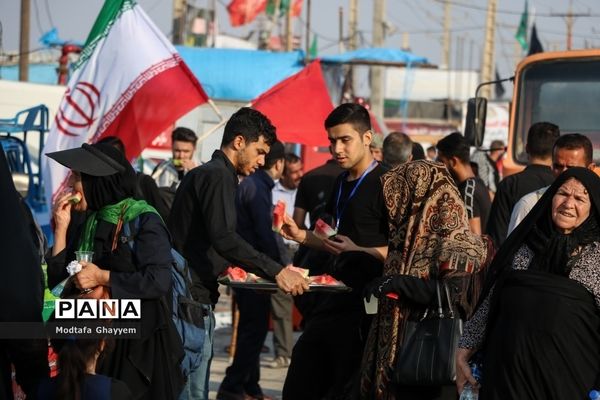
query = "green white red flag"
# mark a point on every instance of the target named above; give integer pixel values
(129, 82)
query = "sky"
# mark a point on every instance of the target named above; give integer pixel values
(422, 19)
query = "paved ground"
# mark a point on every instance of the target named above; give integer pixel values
(271, 379)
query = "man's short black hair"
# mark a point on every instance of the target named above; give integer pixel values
(397, 148)
(497, 145)
(540, 139)
(455, 145)
(182, 134)
(574, 141)
(291, 158)
(276, 153)
(418, 153)
(350, 113)
(251, 125)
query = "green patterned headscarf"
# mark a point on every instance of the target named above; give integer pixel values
(126, 210)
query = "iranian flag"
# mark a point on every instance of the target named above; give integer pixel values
(129, 82)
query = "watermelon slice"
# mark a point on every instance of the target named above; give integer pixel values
(278, 216)
(325, 279)
(235, 274)
(323, 230)
(75, 198)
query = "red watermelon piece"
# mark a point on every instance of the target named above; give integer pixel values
(235, 274)
(278, 216)
(323, 230)
(325, 279)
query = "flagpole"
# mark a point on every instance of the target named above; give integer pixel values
(212, 130)
(220, 124)
(215, 108)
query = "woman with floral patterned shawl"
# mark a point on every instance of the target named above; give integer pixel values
(429, 240)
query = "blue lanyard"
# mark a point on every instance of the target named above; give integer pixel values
(338, 211)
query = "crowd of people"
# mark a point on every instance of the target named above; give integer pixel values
(519, 256)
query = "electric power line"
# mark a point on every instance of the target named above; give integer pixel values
(37, 17)
(510, 12)
(49, 14)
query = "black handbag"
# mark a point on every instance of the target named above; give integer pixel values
(427, 357)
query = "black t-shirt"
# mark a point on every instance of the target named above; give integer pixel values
(508, 192)
(364, 220)
(315, 189)
(477, 200)
(363, 217)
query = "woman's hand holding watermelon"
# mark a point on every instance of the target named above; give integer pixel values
(61, 211)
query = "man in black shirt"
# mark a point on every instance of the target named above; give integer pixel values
(254, 205)
(203, 223)
(327, 356)
(540, 140)
(453, 152)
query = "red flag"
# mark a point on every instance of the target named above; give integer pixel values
(297, 8)
(298, 106)
(242, 12)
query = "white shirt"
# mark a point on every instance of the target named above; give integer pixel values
(165, 174)
(523, 206)
(282, 193)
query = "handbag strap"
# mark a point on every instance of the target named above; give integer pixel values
(440, 306)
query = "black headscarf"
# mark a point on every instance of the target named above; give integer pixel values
(551, 248)
(101, 191)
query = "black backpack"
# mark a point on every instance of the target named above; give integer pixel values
(187, 314)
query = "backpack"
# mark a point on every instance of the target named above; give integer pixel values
(187, 314)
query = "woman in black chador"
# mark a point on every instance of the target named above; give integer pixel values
(105, 182)
(539, 321)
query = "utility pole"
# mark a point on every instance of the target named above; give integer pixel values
(570, 20)
(377, 72)
(178, 21)
(213, 32)
(307, 29)
(405, 41)
(288, 29)
(446, 44)
(341, 29)
(353, 23)
(24, 41)
(487, 65)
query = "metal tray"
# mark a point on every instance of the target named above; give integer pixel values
(272, 287)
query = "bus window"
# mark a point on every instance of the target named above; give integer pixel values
(565, 92)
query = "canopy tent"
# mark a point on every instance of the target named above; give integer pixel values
(239, 75)
(376, 55)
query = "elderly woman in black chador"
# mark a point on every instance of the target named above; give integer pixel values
(539, 321)
(104, 181)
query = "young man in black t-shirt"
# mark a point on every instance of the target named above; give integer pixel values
(327, 356)
(453, 151)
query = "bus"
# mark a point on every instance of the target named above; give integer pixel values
(558, 87)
